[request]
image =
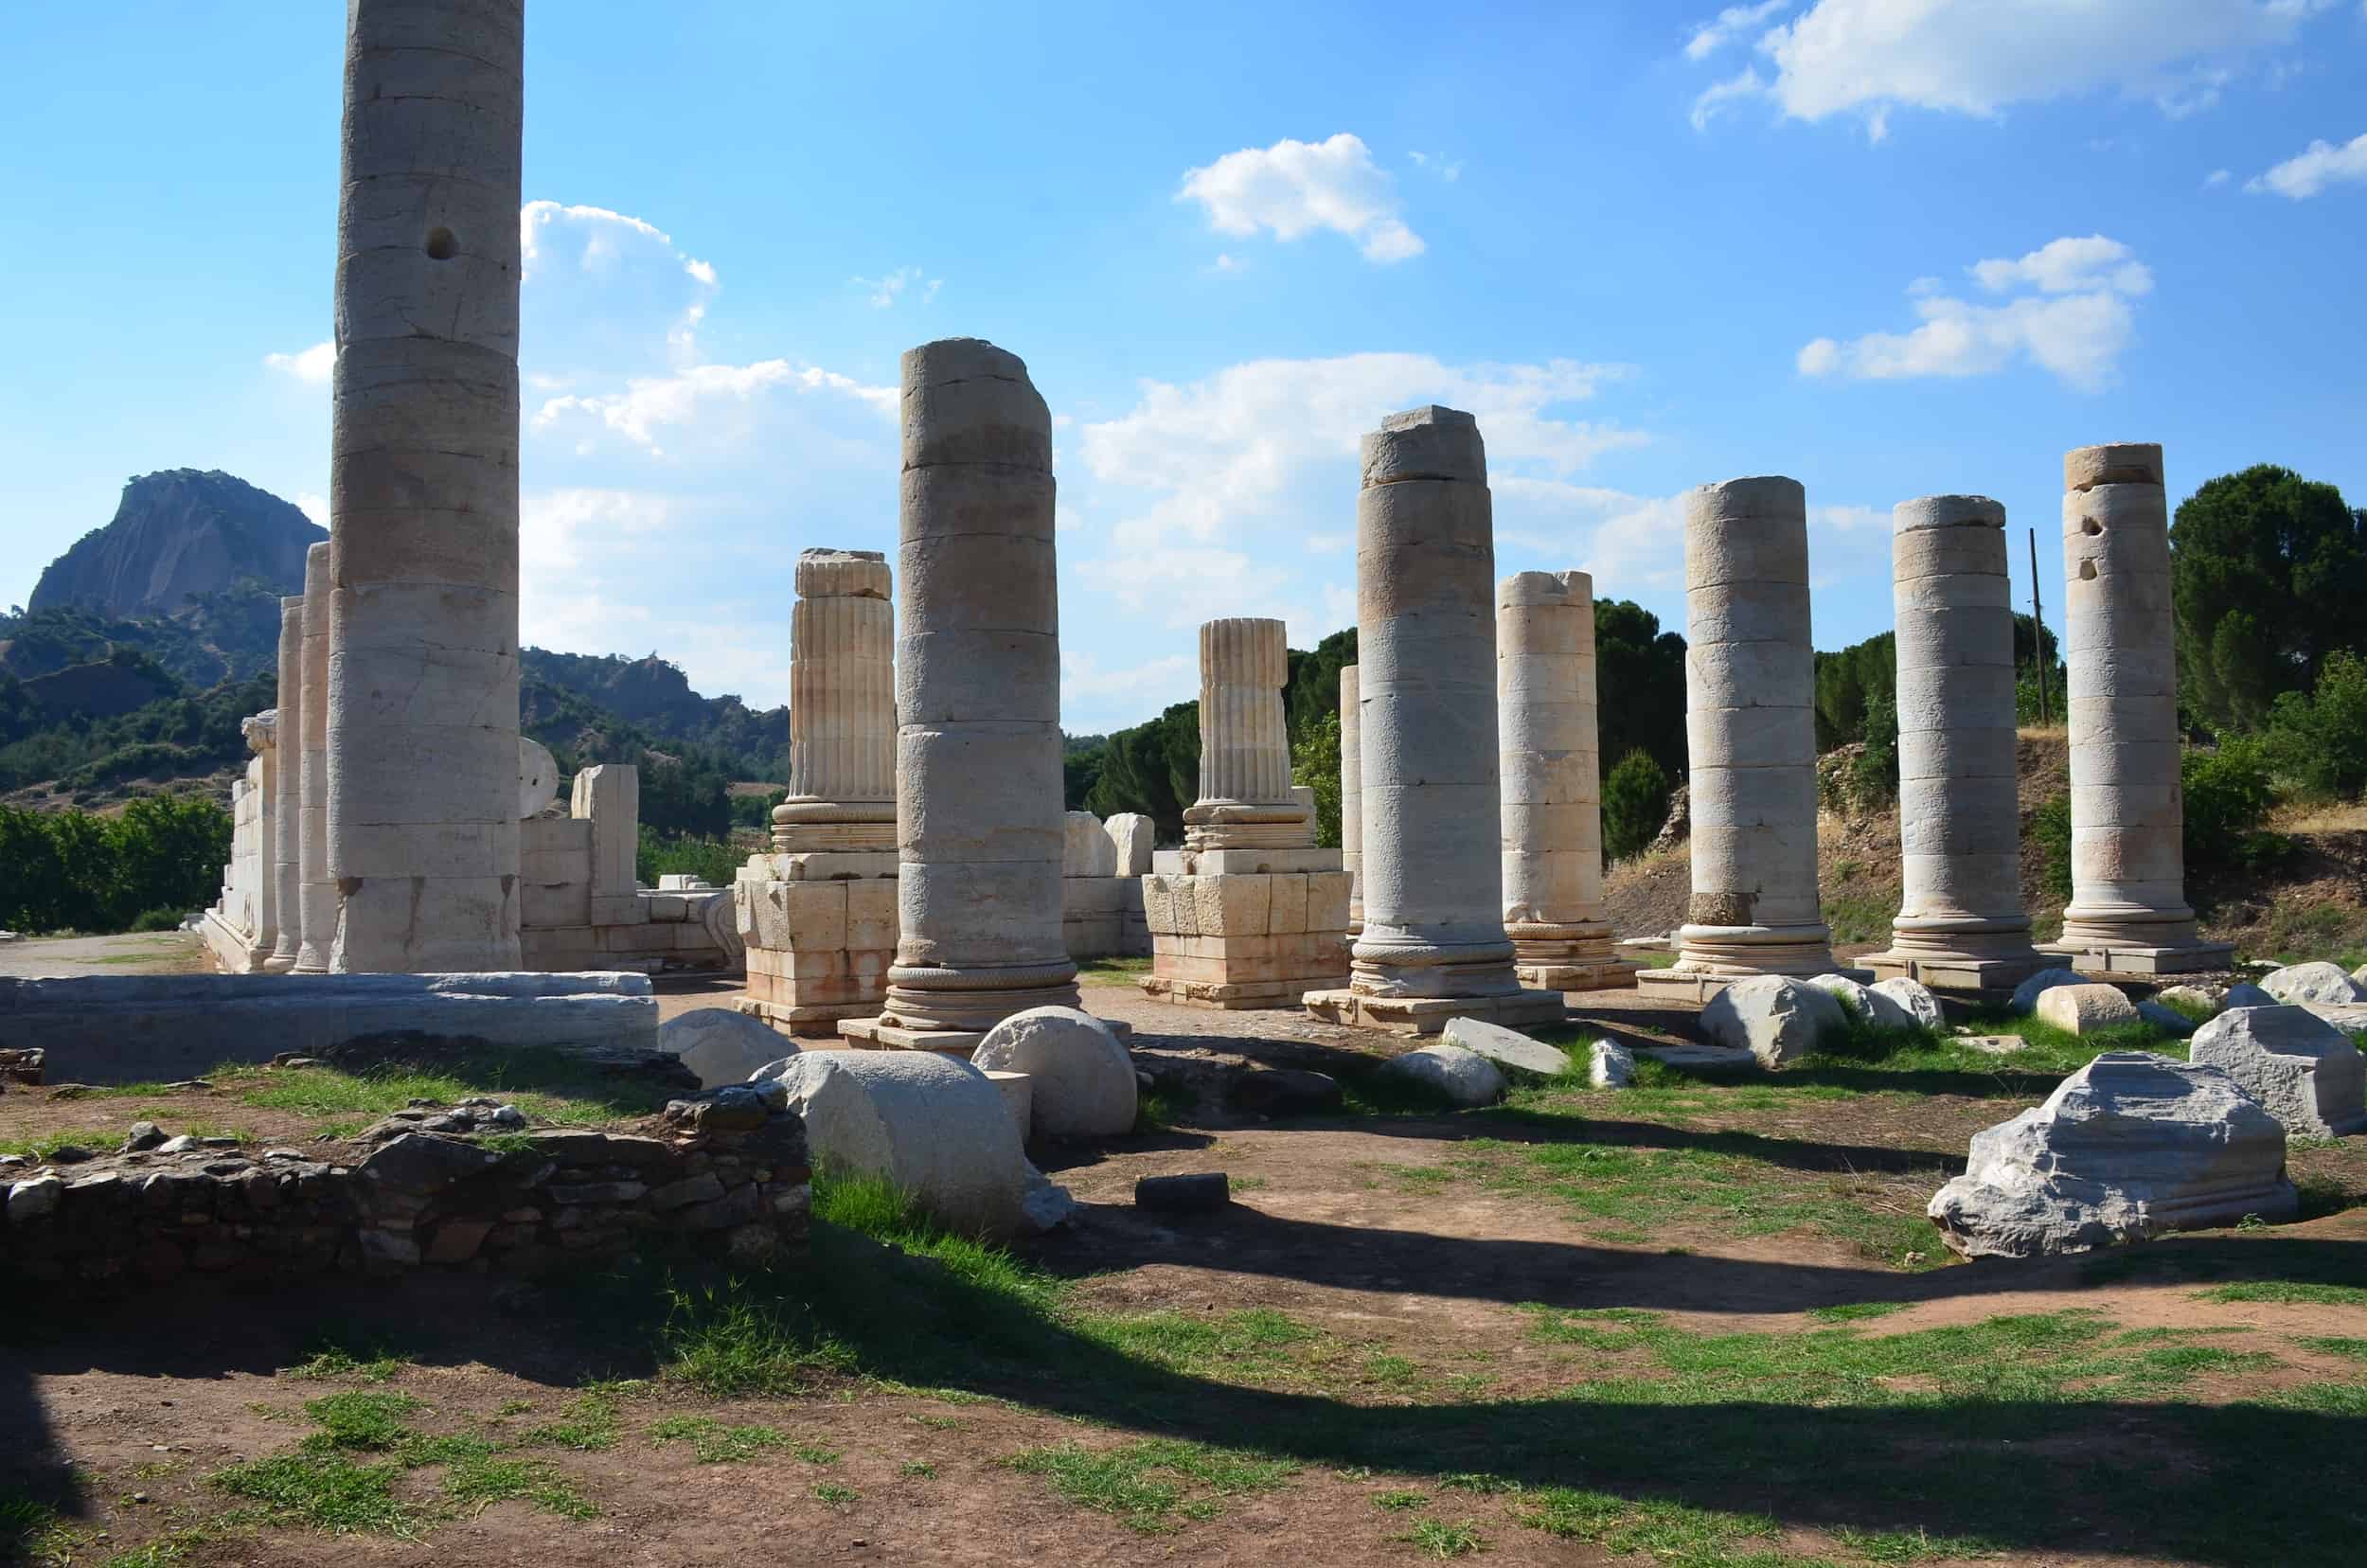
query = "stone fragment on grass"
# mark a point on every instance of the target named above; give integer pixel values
(2085, 1007)
(1913, 1000)
(2130, 1147)
(2319, 981)
(1856, 996)
(1506, 1047)
(2303, 1069)
(1083, 1082)
(1464, 1076)
(1610, 1065)
(2245, 994)
(1773, 1017)
(1284, 1091)
(2026, 994)
(721, 1044)
(2165, 1018)
(2201, 1000)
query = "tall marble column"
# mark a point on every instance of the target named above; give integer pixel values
(1352, 797)
(1552, 784)
(977, 705)
(2128, 912)
(1245, 800)
(423, 481)
(1751, 733)
(288, 793)
(817, 912)
(317, 894)
(841, 707)
(1434, 943)
(1960, 922)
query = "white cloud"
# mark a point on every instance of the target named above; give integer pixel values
(2216, 178)
(1151, 684)
(2064, 266)
(604, 235)
(1711, 36)
(2308, 173)
(312, 367)
(1718, 95)
(1448, 170)
(314, 506)
(649, 403)
(2074, 325)
(1294, 187)
(882, 292)
(1978, 57)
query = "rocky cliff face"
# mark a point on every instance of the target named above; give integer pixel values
(177, 534)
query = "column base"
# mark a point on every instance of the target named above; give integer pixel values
(884, 1034)
(1602, 974)
(1955, 971)
(2090, 956)
(1700, 987)
(804, 1023)
(1428, 1015)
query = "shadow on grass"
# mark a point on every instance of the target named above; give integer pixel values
(2252, 1483)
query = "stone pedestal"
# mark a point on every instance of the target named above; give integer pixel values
(288, 789)
(1961, 924)
(317, 895)
(423, 491)
(1351, 799)
(978, 707)
(818, 913)
(1751, 733)
(240, 927)
(1249, 913)
(1434, 944)
(2128, 913)
(1552, 771)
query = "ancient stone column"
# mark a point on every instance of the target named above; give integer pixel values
(317, 895)
(1245, 800)
(288, 791)
(817, 912)
(1751, 733)
(1434, 941)
(1552, 784)
(1351, 799)
(2128, 911)
(841, 707)
(1960, 922)
(423, 481)
(977, 705)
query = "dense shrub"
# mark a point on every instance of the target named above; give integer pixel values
(2228, 793)
(75, 870)
(1315, 762)
(1635, 804)
(2320, 740)
(756, 811)
(2051, 831)
(673, 854)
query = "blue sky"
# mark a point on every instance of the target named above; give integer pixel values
(1889, 247)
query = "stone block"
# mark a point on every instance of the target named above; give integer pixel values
(2303, 1069)
(1463, 1077)
(1773, 1017)
(2084, 1008)
(1506, 1047)
(1233, 906)
(1083, 1079)
(2298, 984)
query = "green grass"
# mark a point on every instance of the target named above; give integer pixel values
(31, 1532)
(591, 1422)
(835, 1494)
(2356, 1349)
(1112, 971)
(1257, 1346)
(96, 1140)
(1437, 1538)
(1401, 1499)
(358, 1419)
(322, 1492)
(475, 1483)
(1153, 1486)
(2288, 1292)
(917, 1470)
(1855, 1311)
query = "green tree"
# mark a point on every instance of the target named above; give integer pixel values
(2320, 740)
(1314, 687)
(2267, 572)
(1154, 769)
(1852, 684)
(1635, 804)
(1639, 685)
(1315, 762)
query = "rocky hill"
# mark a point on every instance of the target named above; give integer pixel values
(177, 536)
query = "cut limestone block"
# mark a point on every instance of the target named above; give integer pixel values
(2084, 1008)
(1610, 1065)
(1773, 1017)
(721, 1044)
(1506, 1047)
(1018, 1094)
(1913, 1000)
(2204, 999)
(2131, 1146)
(934, 1127)
(1466, 1078)
(2319, 982)
(1086, 850)
(2303, 1069)
(1084, 1081)
(2026, 994)
(1132, 835)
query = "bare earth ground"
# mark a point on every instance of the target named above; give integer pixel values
(1387, 1308)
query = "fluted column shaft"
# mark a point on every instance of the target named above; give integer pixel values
(978, 697)
(288, 788)
(2128, 863)
(317, 895)
(1751, 733)
(1552, 771)
(842, 708)
(1960, 917)
(1245, 799)
(423, 481)
(1352, 795)
(1426, 644)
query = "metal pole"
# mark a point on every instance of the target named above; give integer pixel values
(2037, 632)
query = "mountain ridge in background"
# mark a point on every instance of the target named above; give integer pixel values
(178, 535)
